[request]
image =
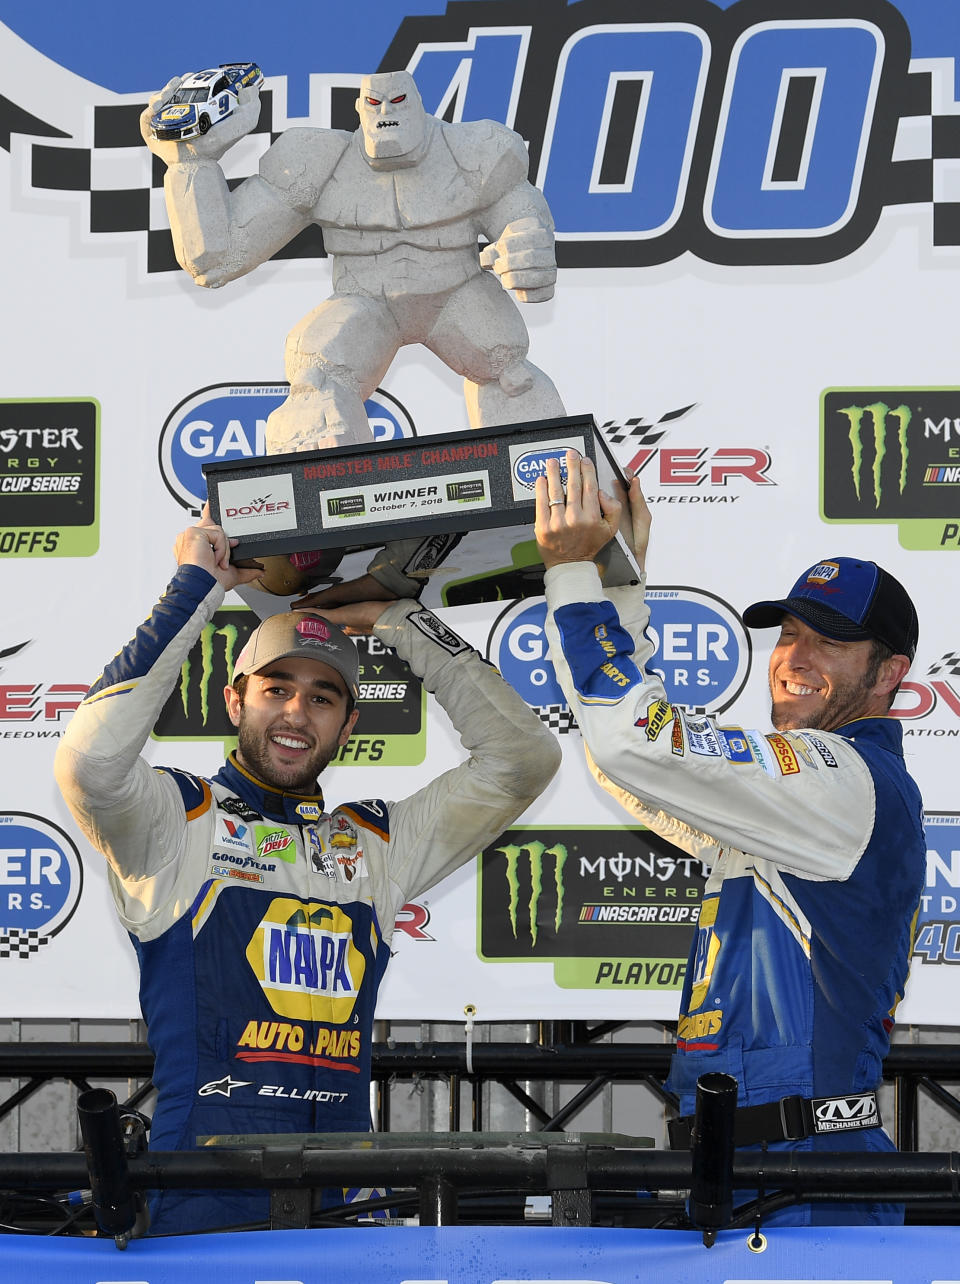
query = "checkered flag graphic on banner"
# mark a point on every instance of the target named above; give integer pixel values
(948, 663)
(122, 182)
(638, 431)
(558, 717)
(15, 944)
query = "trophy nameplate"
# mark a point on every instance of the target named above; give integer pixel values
(478, 481)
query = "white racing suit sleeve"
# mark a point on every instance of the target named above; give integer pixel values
(131, 813)
(804, 800)
(512, 758)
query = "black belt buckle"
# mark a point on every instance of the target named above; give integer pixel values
(795, 1118)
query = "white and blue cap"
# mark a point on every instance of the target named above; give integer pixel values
(305, 634)
(849, 600)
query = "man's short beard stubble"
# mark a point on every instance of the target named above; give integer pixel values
(843, 705)
(252, 754)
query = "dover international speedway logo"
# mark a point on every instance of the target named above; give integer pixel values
(893, 455)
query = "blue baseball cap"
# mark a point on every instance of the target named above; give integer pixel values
(849, 600)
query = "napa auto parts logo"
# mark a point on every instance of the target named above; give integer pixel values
(937, 937)
(893, 455)
(228, 421)
(936, 693)
(701, 652)
(33, 710)
(760, 133)
(41, 878)
(685, 471)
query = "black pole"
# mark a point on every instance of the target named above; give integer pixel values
(711, 1177)
(115, 1204)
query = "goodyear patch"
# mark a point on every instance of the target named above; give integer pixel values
(784, 754)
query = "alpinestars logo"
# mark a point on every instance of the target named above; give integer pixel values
(893, 455)
(695, 473)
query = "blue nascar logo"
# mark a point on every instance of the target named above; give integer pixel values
(228, 421)
(41, 878)
(533, 464)
(702, 650)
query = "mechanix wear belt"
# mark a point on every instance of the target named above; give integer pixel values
(789, 1119)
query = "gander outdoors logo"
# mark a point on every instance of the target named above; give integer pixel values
(41, 878)
(893, 455)
(702, 653)
(611, 908)
(228, 421)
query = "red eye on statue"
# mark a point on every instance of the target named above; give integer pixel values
(374, 102)
(399, 99)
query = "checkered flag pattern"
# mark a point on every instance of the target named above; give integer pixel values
(925, 168)
(558, 717)
(123, 181)
(638, 431)
(948, 664)
(15, 944)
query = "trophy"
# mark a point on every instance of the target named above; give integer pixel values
(317, 507)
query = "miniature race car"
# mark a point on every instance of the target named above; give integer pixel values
(204, 98)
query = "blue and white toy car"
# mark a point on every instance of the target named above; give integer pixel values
(204, 98)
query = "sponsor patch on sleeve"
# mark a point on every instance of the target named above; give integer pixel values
(735, 745)
(786, 758)
(437, 631)
(822, 748)
(702, 736)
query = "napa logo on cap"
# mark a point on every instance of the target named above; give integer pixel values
(823, 572)
(527, 463)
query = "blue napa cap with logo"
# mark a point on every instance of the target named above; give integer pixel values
(849, 600)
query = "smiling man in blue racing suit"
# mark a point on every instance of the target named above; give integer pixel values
(814, 833)
(262, 921)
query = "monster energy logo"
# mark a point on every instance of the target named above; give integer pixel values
(211, 630)
(878, 417)
(534, 854)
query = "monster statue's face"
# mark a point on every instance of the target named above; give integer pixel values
(391, 115)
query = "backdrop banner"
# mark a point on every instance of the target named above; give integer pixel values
(758, 234)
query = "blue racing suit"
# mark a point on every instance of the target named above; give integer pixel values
(817, 853)
(261, 921)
